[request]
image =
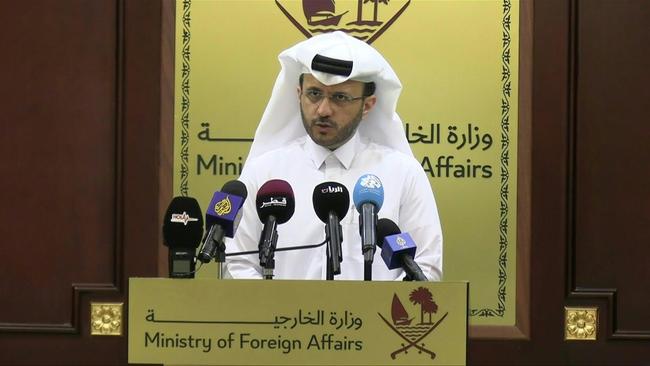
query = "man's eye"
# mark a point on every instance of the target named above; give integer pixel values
(340, 97)
(314, 93)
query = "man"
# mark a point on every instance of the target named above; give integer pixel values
(332, 117)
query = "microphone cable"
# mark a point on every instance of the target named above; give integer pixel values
(284, 249)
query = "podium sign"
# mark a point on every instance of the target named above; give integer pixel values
(280, 322)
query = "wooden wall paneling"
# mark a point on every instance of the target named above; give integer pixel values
(588, 188)
(611, 205)
(81, 143)
(60, 142)
(63, 87)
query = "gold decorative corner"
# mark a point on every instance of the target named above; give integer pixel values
(106, 319)
(580, 324)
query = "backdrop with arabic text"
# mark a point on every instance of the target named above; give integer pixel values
(457, 60)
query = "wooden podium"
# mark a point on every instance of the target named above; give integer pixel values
(281, 322)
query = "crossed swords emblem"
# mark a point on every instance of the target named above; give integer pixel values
(412, 338)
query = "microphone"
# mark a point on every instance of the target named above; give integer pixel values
(222, 219)
(331, 201)
(398, 249)
(275, 205)
(368, 196)
(182, 231)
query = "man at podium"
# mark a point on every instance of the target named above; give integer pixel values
(332, 118)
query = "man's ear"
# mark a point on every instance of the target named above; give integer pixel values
(368, 104)
(298, 92)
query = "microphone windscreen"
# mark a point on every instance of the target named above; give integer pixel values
(368, 190)
(183, 223)
(275, 198)
(393, 243)
(225, 207)
(235, 187)
(331, 196)
(386, 227)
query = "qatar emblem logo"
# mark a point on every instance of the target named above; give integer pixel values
(363, 19)
(414, 334)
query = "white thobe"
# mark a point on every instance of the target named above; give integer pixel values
(408, 201)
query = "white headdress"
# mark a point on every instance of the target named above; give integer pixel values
(281, 121)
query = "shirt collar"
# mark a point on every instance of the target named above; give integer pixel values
(345, 153)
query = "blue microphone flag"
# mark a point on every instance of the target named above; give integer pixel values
(224, 210)
(394, 246)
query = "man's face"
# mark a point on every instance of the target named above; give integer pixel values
(331, 123)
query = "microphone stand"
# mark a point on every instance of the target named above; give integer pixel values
(368, 238)
(220, 258)
(268, 243)
(329, 274)
(214, 248)
(334, 236)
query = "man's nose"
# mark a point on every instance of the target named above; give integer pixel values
(325, 107)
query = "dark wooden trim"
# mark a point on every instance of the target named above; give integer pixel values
(74, 327)
(524, 177)
(167, 85)
(119, 146)
(572, 81)
(142, 101)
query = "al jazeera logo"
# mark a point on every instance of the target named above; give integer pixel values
(363, 19)
(413, 332)
(223, 207)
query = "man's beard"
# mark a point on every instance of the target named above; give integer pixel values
(342, 135)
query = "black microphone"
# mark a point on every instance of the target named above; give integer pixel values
(182, 231)
(331, 201)
(222, 219)
(398, 249)
(275, 205)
